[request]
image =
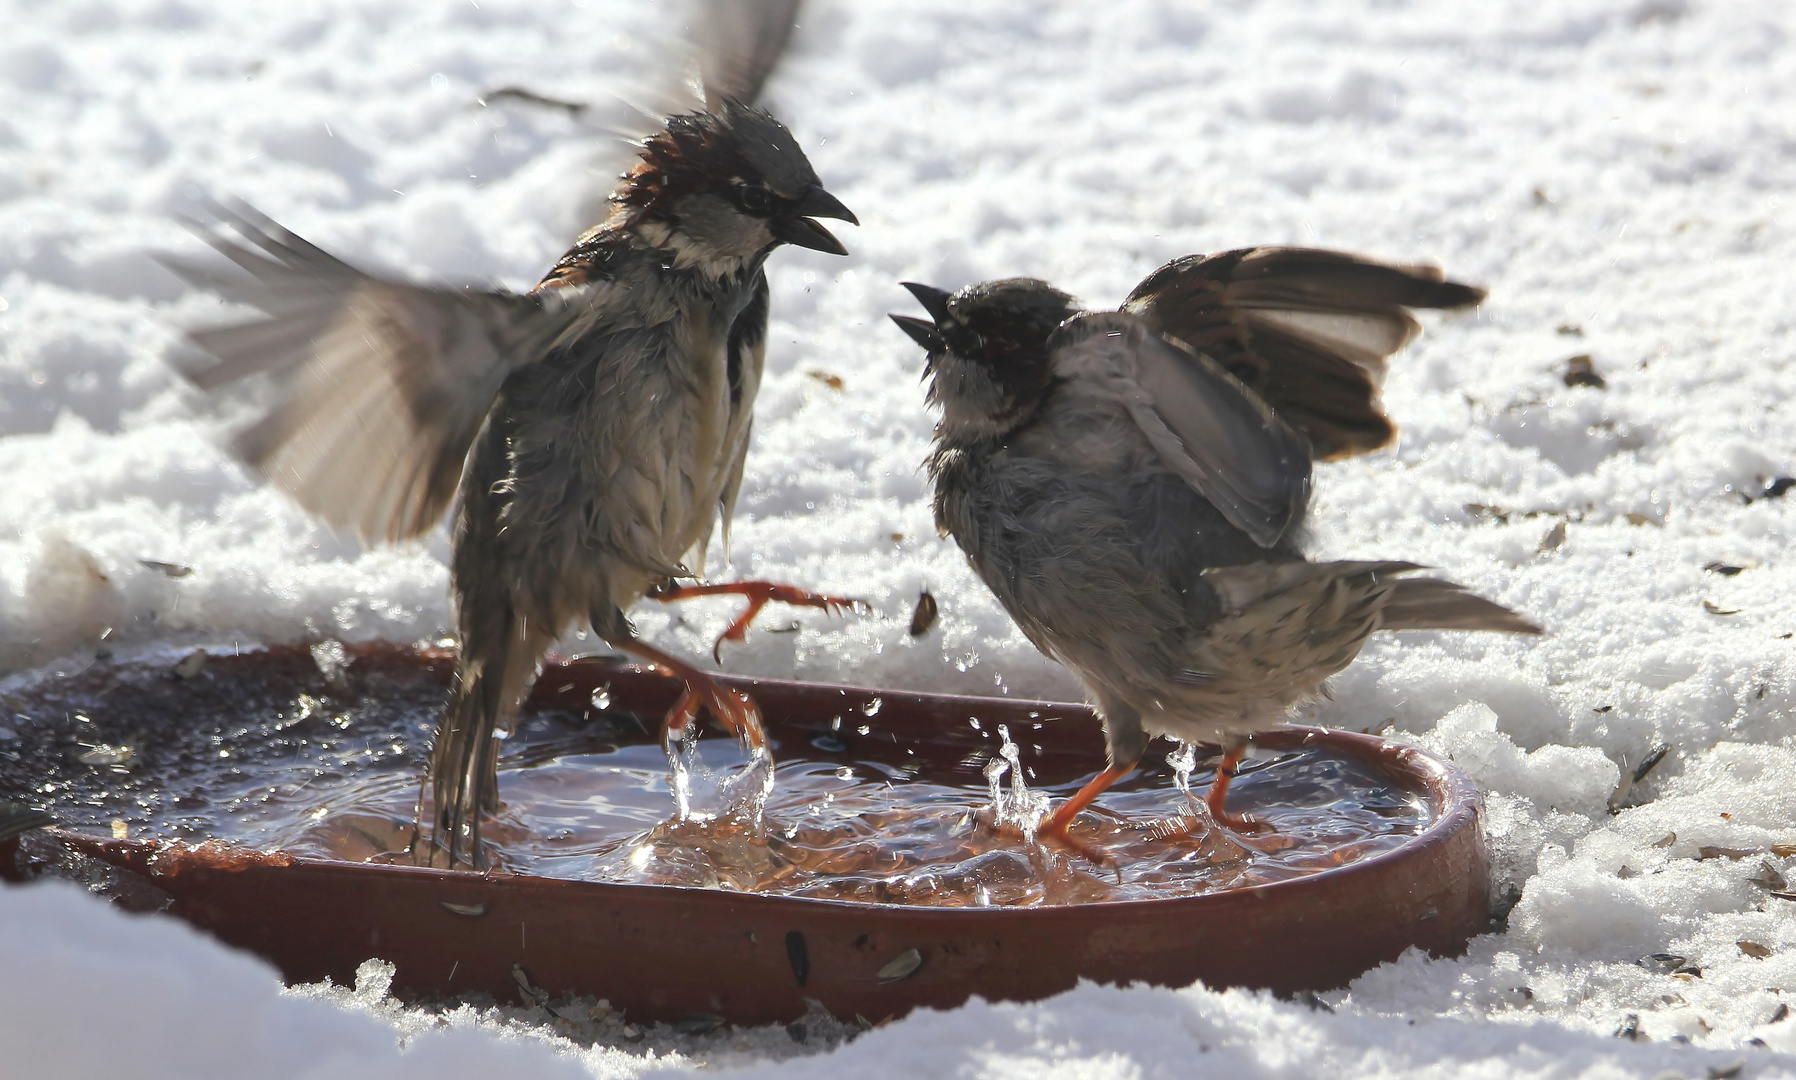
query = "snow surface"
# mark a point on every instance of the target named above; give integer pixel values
(1615, 171)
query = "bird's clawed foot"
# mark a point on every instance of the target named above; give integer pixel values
(1241, 823)
(733, 709)
(1226, 771)
(1062, 837)
(1056, 828)
(759, 594)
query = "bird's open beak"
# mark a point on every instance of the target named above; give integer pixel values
(920, 332)
(934, 301)
(799, 230)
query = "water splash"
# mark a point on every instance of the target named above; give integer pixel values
(834, 827)
(994, 772)
(1019, 807)
(682, 755)
(1183, 759)
(701, 794)
(747, 792)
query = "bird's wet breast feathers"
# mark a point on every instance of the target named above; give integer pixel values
(653, 421)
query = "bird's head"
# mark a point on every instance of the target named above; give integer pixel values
(988, 351)
(723, 187)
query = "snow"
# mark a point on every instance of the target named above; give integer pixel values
(1615, 171)
(90, 991)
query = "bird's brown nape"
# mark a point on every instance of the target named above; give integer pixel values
(694, 154)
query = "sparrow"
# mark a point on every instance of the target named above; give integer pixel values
(1132, 485)
(590, 433)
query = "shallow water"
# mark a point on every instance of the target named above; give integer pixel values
(329, 767)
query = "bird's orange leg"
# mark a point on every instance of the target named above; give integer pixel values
(1219, 792)
(736, 711)
(1055, 827)
(758, 594)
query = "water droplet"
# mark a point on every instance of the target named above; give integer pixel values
(601, 698)
(872, 708)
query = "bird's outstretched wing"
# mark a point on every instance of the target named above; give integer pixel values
(724, 51)
(739, 43)
(383, 385)
(1307, 330)
(1202, 422)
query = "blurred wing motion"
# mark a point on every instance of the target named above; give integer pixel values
(384, 385)
(1200, 420)
(727, 51)
(739, 43)
(1307, 330)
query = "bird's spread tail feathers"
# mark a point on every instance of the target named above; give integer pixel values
(1434, 604)
(491, 681)
(463, 770)
(1411, 603)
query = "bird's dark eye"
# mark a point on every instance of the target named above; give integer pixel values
(752, 197)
